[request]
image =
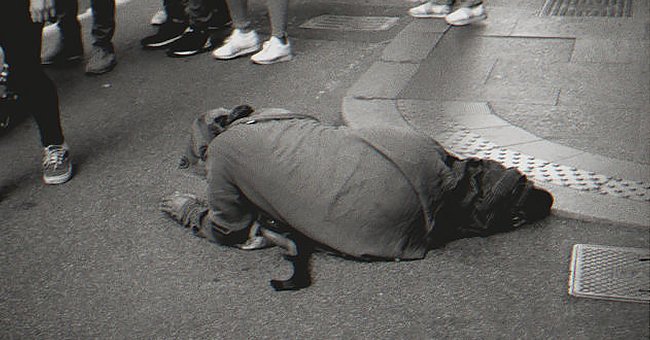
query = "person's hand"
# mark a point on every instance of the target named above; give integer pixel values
(41, 10)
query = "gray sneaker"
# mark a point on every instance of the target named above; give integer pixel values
(57, 168)
(101, 60)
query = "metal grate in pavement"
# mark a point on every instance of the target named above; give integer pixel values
(611, 273)
(588, 8)
(468, 144)
(350, 23)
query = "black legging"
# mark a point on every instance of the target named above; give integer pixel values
(20, 40)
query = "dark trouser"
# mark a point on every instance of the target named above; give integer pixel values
(198, 13)
(20, 39)
(175, 10)
(463, 3)
(103, 22)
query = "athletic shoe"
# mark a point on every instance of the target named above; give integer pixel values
(191, 42)
(466, 15)
(159, 18)
(102, 60)
(167, 34)
(430, 10)
(273, 51)
(57, 167)
(237, 44)
(64, 56)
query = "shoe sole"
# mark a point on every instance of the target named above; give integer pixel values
(67, 62)
(468, 21)
(59, 179)
(161, 44)
(428, 16)
(238, 54)
(180, 54)
(273, 61)
(102, 71)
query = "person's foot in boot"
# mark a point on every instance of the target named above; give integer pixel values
(102, 60)
(192, 42)
(168, 33)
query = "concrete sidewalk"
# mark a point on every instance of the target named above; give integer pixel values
(563, 98)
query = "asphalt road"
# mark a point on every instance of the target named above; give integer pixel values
(95, 258)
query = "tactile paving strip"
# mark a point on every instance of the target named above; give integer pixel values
(612, 273)
(350, 23)
(468, 144)
(588, 8)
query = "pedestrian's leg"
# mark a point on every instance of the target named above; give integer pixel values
(199, 13)
(70, 48)
(36, 92)
(207, 14)
(470, 3)
(102, 58)
(277, 49)
(220, 14)
(103, 23)
(278, 15)
(243, 40)
(470, 11)
(175, 10)
(239, 13)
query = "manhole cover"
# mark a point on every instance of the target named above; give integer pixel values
(588, 8)
(350, 23)
(611, 273)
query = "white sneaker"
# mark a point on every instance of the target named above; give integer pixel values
(237, 44)
(466, 15)
(430, 10)
(159, 18)
(273, 51)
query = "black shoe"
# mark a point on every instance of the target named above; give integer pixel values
(64, 56)
(192, 42)
(168, 33)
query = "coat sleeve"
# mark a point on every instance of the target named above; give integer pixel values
(230, 215)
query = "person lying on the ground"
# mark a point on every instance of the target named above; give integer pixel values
(367, 194)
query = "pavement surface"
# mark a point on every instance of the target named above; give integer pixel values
(95, 258)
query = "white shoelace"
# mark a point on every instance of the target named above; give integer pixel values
(55, 155)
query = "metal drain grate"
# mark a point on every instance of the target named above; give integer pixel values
(611, 273)
(588, 8)
(350, 23)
